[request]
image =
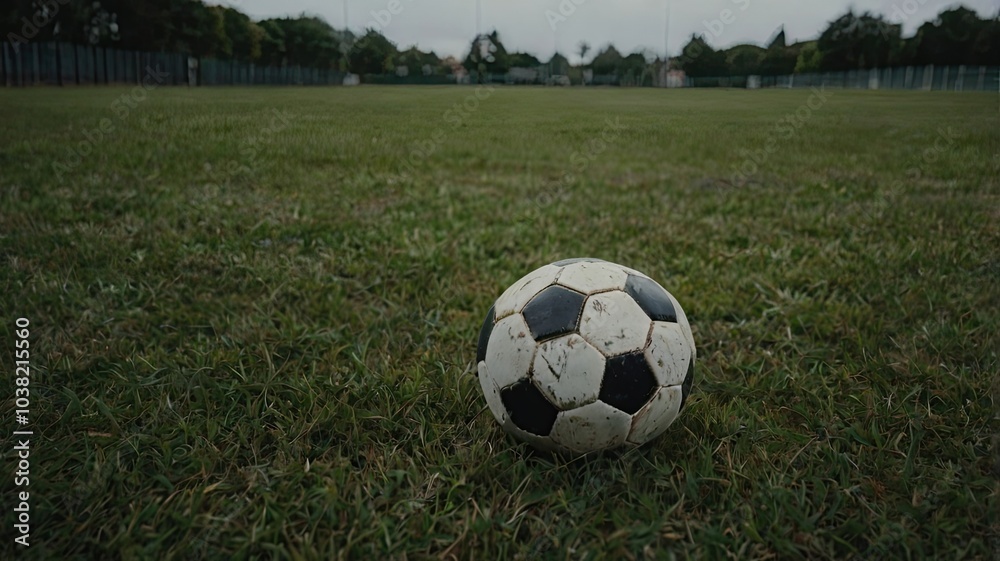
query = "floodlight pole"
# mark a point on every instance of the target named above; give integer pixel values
(666, 30)
(555, 49)
(666, 37)
(347, 44)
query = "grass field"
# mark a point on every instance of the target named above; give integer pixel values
(254, 315)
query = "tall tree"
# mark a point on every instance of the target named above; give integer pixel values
(418, 62)
(558, 64)
(583, 48)
(634, 64)
(778, 61)
(986, 46)
(197, 29)
(524, 60)
(148, 25)
(744, 60)
(272, 46)
(956, 36)
(699, 59)
(487, 54)
(607, 61)
(309, 41)
(809, 59)
(243, 36)
(853, 42)
(373, 54)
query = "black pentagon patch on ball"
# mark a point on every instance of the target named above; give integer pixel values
(628, 382)
(484, 334)
(651, 298)
(553, 311)
(565, 262)
(687, 383)
(528, 408)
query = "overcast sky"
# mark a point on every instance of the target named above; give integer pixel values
(448, 26)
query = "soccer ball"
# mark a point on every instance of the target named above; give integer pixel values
(584, 355)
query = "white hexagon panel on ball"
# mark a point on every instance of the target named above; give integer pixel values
(669, 353)
(661, 411)
(682, 321)
(568, 370)
(591, 428)
(614, 323)
(492, 394)
(510, 351)
(543, 443)
(590, 277)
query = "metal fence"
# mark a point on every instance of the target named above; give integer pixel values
(211, 72)
(951, 78)
(69, 64)
(38, 64)
(942, 78)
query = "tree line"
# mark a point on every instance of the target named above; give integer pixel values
(852, 41)
(856, 42)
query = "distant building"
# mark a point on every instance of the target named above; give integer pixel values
(670, 78)
(518, 75)
(456, 70)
